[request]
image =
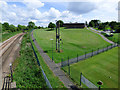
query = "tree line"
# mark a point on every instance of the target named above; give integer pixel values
(6, 27)
(113, 25)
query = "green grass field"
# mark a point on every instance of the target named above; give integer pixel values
(102, 67)
(75, 41)
(54, 81)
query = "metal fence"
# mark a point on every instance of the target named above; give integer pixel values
(85, 81)
(86, 55)
(6, 83)
(45, 77)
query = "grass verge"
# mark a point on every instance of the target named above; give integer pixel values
(27, 73)
(54, 81)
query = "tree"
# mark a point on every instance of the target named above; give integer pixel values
(5, 26)
(12, 28)
(94, 23)
(51, 25)
(113, 24)
(61, 23)
(35, 27)
(31, 25)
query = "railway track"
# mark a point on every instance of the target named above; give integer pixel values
(7, 49)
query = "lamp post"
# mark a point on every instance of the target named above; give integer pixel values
(52, 49)
(11, 72)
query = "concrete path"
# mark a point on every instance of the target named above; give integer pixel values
(54, 67)
(95, 31)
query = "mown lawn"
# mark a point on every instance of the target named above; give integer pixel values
(102, 67)
(54, 81)
(75, 41)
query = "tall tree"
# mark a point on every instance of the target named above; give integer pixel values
(61, 23)
(5, 26)
(51, 25)
(12, 28)
(31, 25)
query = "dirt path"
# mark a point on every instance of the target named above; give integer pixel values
(9, 56)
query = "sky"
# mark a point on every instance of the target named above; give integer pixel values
(41, 12)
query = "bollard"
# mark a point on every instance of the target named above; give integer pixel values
(98, 51)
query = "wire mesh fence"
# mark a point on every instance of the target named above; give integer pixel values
(45, 77)
(85, 81)
(86, 55)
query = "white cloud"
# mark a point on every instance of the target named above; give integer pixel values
(16, 15)
(33, 3)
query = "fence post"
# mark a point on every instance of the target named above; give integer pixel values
(11, 72)
(99, 87)
(107, 47)
(85, 54)
(92, 53)
(77, 57)
(80, 78)
(98, 51)
(62, 62)
(68, 67)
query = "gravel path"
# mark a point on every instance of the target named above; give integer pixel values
(54, 67)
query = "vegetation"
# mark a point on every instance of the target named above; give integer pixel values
(27, 73)
(102, 67)
(113, 25)
(51, 25)
(7, 35)
(78, 41)
(115, 38)
(54, 81)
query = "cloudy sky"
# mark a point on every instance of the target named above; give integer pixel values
(44, 11)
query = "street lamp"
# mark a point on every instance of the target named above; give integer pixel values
(11, 72)
(52, 49)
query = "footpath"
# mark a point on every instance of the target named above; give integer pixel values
(54, 67)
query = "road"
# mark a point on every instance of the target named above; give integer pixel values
(9, 50)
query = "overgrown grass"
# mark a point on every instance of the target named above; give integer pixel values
(102, 67)
(27, 73)
(7, 35)
(54, 81)
(75, 41)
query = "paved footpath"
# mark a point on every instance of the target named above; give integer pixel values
(95, 31)
(54, 67)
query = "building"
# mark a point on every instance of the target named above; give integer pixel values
(74, 25)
